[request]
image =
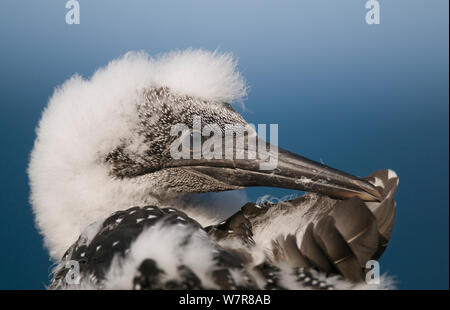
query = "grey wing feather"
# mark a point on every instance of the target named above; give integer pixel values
(341, 236)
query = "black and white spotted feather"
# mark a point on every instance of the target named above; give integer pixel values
(104, 143)
(331, 252)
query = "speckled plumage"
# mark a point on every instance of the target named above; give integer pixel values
(103, 145)
(230, 270)
(235, 264)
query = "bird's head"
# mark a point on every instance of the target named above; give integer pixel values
(142, 130)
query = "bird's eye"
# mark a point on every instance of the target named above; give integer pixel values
(193, 139)
(196, 137)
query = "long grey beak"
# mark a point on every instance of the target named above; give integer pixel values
(292, 171)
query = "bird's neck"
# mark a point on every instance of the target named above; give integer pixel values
(207, 208)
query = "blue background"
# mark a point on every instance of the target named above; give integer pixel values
(358, 97)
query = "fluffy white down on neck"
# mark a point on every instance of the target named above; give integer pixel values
(84, 118)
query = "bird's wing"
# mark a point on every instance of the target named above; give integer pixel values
(312, 231)
(270, 246)
(162, 248)
(147, 248)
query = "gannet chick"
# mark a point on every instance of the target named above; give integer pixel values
(107, 191)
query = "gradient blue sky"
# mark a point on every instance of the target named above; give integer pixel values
(358, 97)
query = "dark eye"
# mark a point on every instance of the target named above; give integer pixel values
(196, 135)
(189, 138)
